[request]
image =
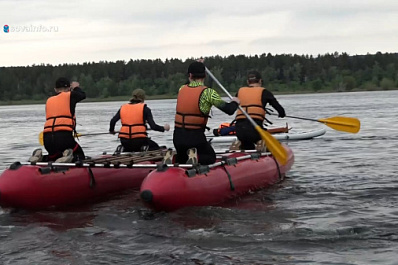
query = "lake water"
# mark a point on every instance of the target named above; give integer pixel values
(338, 205)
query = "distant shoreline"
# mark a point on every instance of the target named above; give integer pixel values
(155, 97)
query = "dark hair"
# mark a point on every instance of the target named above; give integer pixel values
(197, 69)
(62, 82)
(138, 95)
(253, 77)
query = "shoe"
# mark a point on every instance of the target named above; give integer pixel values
(235, 145)
(192, 156)
(260, 146)
(67, 157)
(168, 157)
(37, 155)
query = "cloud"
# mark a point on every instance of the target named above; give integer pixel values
(91, 30)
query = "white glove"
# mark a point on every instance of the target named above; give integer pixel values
(74, 84)
(166, 127)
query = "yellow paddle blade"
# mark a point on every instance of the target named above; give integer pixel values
(41, 142)
(345, 124)
(273, 145)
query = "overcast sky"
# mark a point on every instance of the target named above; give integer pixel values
(77, 31)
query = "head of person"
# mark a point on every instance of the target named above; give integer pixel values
(196, 70)
(254, 77)
(62, 84)
(138, 95)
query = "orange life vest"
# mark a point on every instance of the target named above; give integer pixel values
(250, 101)
(132, 118)
(58, 114)
(225, 128)
(188, 114)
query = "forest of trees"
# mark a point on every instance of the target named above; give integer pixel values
(284, 73)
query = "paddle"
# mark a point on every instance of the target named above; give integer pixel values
(41, 141)
(273, 145)
(339, 123)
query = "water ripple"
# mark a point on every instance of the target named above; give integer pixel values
(338, 204)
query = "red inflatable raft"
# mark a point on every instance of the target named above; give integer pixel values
(171, 188)
(44, 185)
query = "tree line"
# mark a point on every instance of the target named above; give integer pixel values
(285, 73)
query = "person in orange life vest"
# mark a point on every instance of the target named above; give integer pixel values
(134, 116)
(253, 99)
(194, 102)
(61, 121)
(225, 128)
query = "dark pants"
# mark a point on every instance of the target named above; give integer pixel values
(135, 145)
(184, 139)
(247, 134)
(57, 142)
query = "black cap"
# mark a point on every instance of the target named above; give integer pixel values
(254, 77)
(62, 82)
(147, 196)
(197, 69)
